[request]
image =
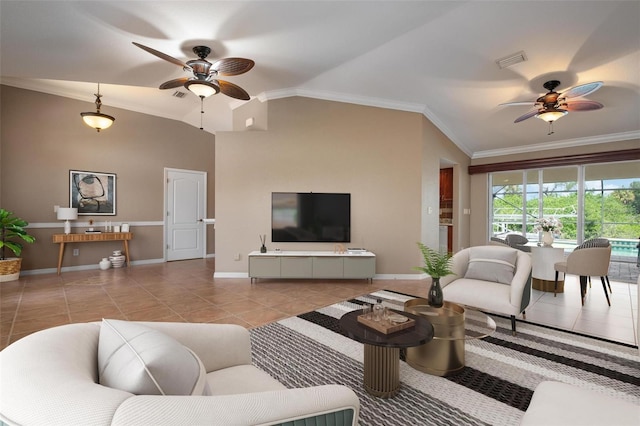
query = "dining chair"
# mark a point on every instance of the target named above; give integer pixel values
(586, 262)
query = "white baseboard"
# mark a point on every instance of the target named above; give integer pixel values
(83, 267)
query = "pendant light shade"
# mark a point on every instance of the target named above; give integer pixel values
(97, 120)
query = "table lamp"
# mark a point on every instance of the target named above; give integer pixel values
(67, 214)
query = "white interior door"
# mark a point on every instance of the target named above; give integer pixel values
(185, 232)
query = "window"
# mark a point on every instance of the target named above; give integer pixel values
(598, 200)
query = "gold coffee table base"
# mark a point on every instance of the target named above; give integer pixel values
(444, 355)
(381, 370)
(547, 285)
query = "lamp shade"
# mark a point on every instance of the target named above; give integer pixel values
(67, 213)
(97, 120)
(551, 114)
(203, 89)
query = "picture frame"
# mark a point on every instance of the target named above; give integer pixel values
(92, 193)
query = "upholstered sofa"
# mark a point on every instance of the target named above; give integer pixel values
(492, 278)
(562, 404)
(56, 377)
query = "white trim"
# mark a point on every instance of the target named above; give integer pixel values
(84, 267)
(568, 143)
(99, 225)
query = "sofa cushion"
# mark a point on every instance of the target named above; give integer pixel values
(492, 263)
(144, 361)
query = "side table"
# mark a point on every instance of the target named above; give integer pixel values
(382, 351)
(453, 325)
(543, 273)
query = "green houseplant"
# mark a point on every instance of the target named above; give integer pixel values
(436, 265)
(12, 230)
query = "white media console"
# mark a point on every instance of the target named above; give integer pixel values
(312, 264)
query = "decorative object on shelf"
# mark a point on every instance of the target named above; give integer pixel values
(338, 248)
(437, 265)
(104, 264)
(548, 226)
(263, 239)
(124, 227)
(117, 259)
(97, 120)
(116, 228)
(67, 214)
(12, 228)
(92, 193)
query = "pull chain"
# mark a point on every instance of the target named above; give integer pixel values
(550, 128)
(201, 110)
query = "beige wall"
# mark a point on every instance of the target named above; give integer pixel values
(479, 183)
(388, 160)
(43, 137)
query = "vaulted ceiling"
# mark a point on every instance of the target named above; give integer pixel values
(437, 58)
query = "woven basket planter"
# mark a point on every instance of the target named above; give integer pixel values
(10, 269)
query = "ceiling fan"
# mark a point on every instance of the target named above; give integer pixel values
(553, 105)
(204, 82)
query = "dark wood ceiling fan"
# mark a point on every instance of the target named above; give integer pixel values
(204, 81)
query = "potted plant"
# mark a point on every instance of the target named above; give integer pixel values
(436, 265)
(12, 229)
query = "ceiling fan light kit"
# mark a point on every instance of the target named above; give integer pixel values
(202, 89)
(97, 120)
(552, 114)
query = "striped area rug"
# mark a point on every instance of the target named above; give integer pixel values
(494, 388)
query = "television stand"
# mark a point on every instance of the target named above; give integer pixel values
(312, 264)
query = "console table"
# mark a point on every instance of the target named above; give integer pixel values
(312, 264)
(62, 239)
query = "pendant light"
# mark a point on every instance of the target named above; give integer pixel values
(97, 120)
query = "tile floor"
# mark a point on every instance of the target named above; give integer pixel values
(185, 291)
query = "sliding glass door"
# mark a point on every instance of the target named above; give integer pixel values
(600, 200)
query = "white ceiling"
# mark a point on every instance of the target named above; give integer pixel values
(437, 58)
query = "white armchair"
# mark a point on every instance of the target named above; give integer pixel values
(492, 278)
(52, 377)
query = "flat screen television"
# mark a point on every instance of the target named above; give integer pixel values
(310, 217)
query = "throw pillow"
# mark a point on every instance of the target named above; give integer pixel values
(492, 263)
(144, 361)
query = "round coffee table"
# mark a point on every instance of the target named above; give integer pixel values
(382, 351)
(453, 324)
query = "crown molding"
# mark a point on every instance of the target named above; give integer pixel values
(567, 143)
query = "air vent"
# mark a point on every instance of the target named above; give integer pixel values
(511, 60)
(179, 94)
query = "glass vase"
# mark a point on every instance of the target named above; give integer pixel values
(436, 299)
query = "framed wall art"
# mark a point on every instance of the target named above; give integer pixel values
(92, 193)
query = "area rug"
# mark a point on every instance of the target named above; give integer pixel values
(494, 388)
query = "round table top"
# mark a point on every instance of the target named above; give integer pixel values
(417, 335)
(476, 324)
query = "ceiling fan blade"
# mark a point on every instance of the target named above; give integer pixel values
(582, 106)
(582, 90)
(525, 103)
(527, 115)
(171, 84)
(233, 90)
(162, 55)
(232, 66)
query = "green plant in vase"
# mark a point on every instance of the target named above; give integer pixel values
(436, 265)
(12, 230)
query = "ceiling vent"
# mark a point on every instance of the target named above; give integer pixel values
(179, 94)
(510, 60)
